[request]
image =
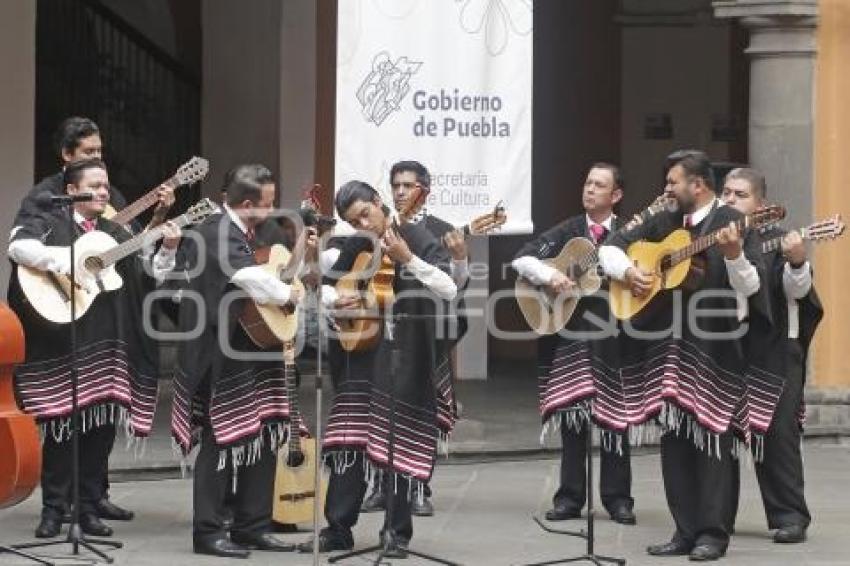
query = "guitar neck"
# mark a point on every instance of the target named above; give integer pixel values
(294, 409)
(774, 244)
(131, 211)
(136, 243)
(701, 244)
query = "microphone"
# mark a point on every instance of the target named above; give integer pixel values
(49, 200)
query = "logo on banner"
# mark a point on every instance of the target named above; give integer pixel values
(382, 91)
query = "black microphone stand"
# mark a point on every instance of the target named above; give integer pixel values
(394, 321)
(588, 534)
(75, 533)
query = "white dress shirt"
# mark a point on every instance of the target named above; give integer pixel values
(261, 286)
(537, 272)
(797, 283)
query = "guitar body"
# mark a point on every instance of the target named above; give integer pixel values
(545, 313)
(295, 487)
(648, 257)
(271, 325)
(20, 445)
(376, 292)
(50, 294)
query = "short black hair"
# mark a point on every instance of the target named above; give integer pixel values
(74, 172)
(245, 182)
(619, 181)
(694, 162)
(71, 131)
(351, 192)
(421, 172)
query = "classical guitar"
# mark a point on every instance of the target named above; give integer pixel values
(20, 445)
(828, 229)
(372, 282)
(268, 324)
(96, 255)
(670, 261)
(546, 312)
(295, 479)
(192, 171)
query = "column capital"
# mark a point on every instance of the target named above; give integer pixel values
(766, 10)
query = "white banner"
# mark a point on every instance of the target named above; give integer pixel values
(446, 83)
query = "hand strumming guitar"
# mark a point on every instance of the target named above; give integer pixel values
(456, 244)
(560, 283)
(640, 282)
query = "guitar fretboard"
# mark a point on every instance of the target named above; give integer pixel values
(774, 244)
(294, 409)
(700, 245)
(131, 211)
(136, 243)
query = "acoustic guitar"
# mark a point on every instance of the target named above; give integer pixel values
(828, 229)
(295, 478)
(670, 261)
(371, 279)
(269, 325)
(376, 291)
(20, 446)
(96, 255)
(192, 171)
(546, 312)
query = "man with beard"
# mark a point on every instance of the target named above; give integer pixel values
(696, 447)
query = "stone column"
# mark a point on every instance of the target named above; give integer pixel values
(17, 113)
(782, 58)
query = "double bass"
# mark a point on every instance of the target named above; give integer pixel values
(20, 464)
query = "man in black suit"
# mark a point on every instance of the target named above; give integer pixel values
(603, 189)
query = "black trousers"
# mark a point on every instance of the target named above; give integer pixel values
(780, 473)
(346, 491)
(57, 464)
(699, 489)
(251, 502)
(615, 473)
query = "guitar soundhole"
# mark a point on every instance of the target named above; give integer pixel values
(295, 458)
(666, 262)
(93, 264)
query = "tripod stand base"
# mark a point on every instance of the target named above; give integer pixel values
(594, 558)
(16, 552)
(382, 549)
(76, 540)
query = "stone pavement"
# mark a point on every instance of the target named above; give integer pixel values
(483, 518)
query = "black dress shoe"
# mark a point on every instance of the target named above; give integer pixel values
(424, 509)
(49, 527)
(396, 549)
(623, 515)
(261, 541)
(111, 512)
(327, 543)
(92, 525)
(706, 553)
(375, 502)
(790, 534)
(219, 546)
(562, 514)
(675, 547)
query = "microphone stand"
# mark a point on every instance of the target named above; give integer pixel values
(588, 534)
(75, 533)
(394, 320)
